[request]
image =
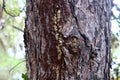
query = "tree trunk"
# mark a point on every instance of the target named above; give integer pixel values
(68, 39)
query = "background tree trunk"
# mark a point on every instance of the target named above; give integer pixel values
(68, 39)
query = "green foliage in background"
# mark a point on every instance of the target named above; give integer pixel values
(12, 16)
(24, 76)
(115, 71)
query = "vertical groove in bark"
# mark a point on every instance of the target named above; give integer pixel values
(68, 39)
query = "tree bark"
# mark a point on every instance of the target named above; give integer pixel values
(68, 39)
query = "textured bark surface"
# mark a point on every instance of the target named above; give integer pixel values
(68, 39)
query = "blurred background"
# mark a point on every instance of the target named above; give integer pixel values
(12, 52)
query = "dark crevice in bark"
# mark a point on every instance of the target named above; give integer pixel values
(72, 7)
